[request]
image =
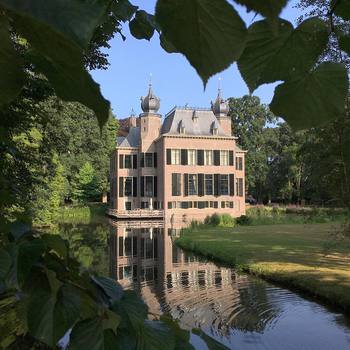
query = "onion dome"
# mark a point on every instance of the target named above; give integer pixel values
(150, 103)
(220, 106)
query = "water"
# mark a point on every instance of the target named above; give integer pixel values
(239, 311)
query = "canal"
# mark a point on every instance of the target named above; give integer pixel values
(239, 311)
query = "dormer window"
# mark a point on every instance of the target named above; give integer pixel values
(182, 129)
(214, 128)
(215, 131)
(195, 117)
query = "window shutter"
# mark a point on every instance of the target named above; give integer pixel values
(216, 184)
(200, 185)
(121, 161)
(121, 187)
(142, 186)
(186, 184)
(184, 157)
(155, 160)
(216, 157)
(155, 186)
(173, 185)
(232, 185)
(134, 161)
(142, 160)
(200, 157)
(231, 158)
(168, 156)
(134, 187)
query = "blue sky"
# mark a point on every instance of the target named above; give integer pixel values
(174, 80)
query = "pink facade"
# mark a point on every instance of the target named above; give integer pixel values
(188, 165)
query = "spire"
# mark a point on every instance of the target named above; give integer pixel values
(150, 103)
(220, 106)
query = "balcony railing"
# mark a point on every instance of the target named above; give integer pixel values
(136, 213)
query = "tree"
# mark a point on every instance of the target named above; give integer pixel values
(251, 121)
(86, 187)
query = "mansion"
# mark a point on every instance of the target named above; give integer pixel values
(187, 165)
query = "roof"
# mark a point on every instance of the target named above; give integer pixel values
(195, 121)
(131, 140)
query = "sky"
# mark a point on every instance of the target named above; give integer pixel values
(174, 80)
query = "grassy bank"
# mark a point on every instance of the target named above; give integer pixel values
(292, 255)
(81, 213)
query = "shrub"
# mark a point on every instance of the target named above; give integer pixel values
(227, 220)
(244, 220)
(215, 220)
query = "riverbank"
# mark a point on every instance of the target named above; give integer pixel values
(291, 255)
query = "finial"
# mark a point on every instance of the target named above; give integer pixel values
(150, 80)
(132, 113)
(219, 86)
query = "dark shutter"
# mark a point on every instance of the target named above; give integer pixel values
(116, 188)
(232, 185)
(168, 156)
(121, 161)
(155, 161)
(186, 184)
(216, 157)
(173, 184)
(134, 186)
(134, 161)
(121, 187)
(142, 186)
(200, 157)
(200, 185)
(216, 185)
(142, 160)
(155, 186)
(184, 158)
(231, 158)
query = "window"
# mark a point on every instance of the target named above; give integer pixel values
(239, 187)
(239, 163)
(175, 156)
(223, 157)
(176, 184)
(171, 205)
(128, 186)
(144, 205)
(224, 185)
(192, 184)
(208, 157)
(192, 156)
(209, 185)
(127, 161)
(148, 186)
(127, 205)
(148, 160)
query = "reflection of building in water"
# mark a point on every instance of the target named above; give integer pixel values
(196, 292)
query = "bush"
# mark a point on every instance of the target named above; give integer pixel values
(227, 220)
(244, 220)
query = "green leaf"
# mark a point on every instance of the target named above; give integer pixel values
(29, 252)
(267, 8)
(132, 309)
(344, 43)
(87, 334)
(11, 71)
(313, 99)
(77, 20)
(111, 288)
(270, 56)
(123, 10)
(5, 263)
(156, 336)
(52, 312)
(142, 26)
(111, 321)
(166, 45)
(209, 33)
(61, 60)
(57, 244)
(19, 229)
(342, 9)
(182, 336)
(211, 342)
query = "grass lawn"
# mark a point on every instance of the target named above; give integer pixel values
(292, 255)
